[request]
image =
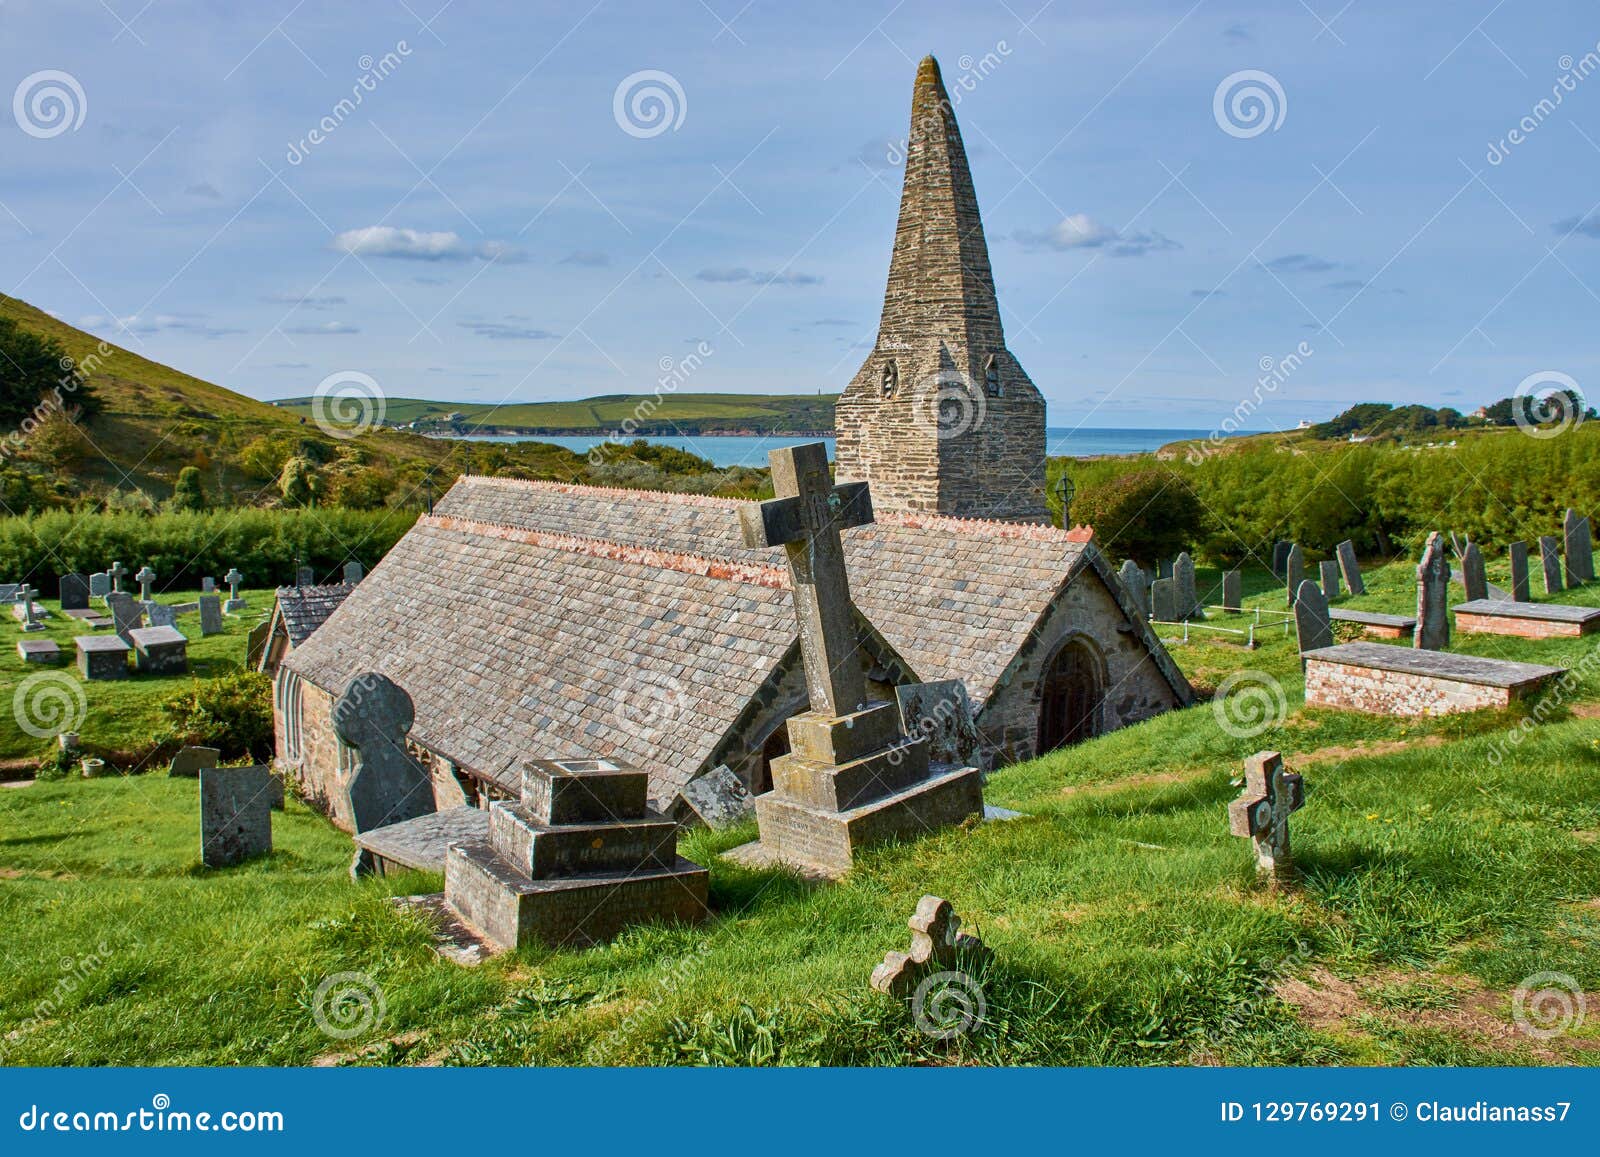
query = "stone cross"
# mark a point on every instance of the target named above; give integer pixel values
(373, 716)
(117, 573)
(1263, 808)
(1518, 554)
(25, 595)
(1232, 591)
(1312, 624)
(1579, 548)
(805, 519)
(145, 578)
(1328, 572)
(1294, 570)
(233, 578)
(1550, 561)
(1346, 552)
(1433, 596)
(937, 945)
(1473, 579)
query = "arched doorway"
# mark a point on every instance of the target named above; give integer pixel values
(776, 745)
(1070, 696)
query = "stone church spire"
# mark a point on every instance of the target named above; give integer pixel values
(941, 417)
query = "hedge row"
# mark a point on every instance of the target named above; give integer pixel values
(184, 548)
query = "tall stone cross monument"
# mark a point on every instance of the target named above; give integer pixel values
(852, 776)
(805, 519)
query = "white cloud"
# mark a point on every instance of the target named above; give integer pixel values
(1081, 231)
(739, 273)
(327, 328)
(417, 245)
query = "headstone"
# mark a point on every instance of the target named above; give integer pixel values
(102, 656)
(1473, 577)
(126, 613)
(117, 572)
(937, 946)
(1163, 601)
(1163, 568)
(160, 614)
(1350, 568)
(74, 592)
(210, 615)
(1280, 555)
(189, 760)
(1433, 596)
(1232, 591)
(256, 644)
(941, 713)
(8, 592)
(1579, 548)
(26, 610)
(146, 579)
(1184, 590)
(1294, 570)
(305, 577)
(1550, 561)
(388, 785)
(39, 651)
(235, 814)
(718, 799)
(1328, 571)
(1518, 554)
(353, 573)
(208, 586)
(233, 578)
(1311, 622)
(99, 585)
(1261, 813)
(1137, 584)
(160, 651)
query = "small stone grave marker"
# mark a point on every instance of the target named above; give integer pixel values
(1351, 569)
(1579, 548)
(1312, 625)
(99, 585)
(388, 785)
(718, 799)
(126, 613)
(160, 614)
(1328, 572)
(1261, 813)
(1433, 596)
(189, 760)
(117, 572)
(1550, 561)
(941, 713)
(1280, 555)
(305, 577)
(1232, 591)
(1163, 601)
(353, 573)
(146, 579)
(208, 586)
(937, 945)
(233, 578)
(74, 592)
(1294, 571)
(1473, 578)
(1517, 553)
(235, 814)
(1185, 593)
(1137, 584)
(38, 651)
(210, 615)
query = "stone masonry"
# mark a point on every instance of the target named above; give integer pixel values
(941, 417)
(1384, 680)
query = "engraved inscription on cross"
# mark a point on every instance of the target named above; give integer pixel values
(1262, 811)
(805, 519)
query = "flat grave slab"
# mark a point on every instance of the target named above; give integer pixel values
(1528, 620)
(102, 656)
(160, 650)
(38, 651)
(420, 844)
(1379, 626)
(1386, 680)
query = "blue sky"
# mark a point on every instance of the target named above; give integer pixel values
(483, 226)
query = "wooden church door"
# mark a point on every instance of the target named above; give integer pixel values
(1069, 706)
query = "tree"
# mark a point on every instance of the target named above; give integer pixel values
(297, 483)
(188, 493)
(1146, 515)
(34, 368)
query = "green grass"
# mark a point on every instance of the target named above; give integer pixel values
(1439, 867)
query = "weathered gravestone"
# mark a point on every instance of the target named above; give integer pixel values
(718, 799)
(99, 585)
(46, 651)
(1163, 601)
(1280, 555)
(74, 592)
(8, 592)
(1328, 572)
(160, 650)
(1579, 548)
(1137, 584)
(1473, 578)
(1261, 813)
(233, 578)
(1185, 594)
(102, 656)
(210, 615)
(937, 946)
(1550, 561)
(1517, 553)
(942, 714)
(1294, 571)
(353, 573)
(126, 614)
(1346, 553)
(305, 577)
(146, 579)
(1163, 568)
(1312, 625)
(189, 760)
(1433, 596)
(118, 572)
(388, 785)
(26, 610)
(208, 586)
(160, 614)
(1232, 591)
(256, 644)
(235, 814)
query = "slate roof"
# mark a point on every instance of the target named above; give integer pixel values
(552, 621)
(304, 609)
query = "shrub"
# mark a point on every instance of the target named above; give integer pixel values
(232, 713)
(1146, 515)
(189, 492)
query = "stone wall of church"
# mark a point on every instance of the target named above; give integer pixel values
(1134, 687)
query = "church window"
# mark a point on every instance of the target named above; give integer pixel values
(991, 377)
(289, 710)
(891, 378)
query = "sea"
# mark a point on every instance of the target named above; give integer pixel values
(751, 450)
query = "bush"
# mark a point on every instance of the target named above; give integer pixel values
(189, 492)
(232, 713)
(1146, 515)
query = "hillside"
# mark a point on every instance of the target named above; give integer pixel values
(674, 414)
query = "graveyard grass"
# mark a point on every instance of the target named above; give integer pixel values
(1439, 866)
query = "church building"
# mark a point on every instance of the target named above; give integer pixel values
(543, 620)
